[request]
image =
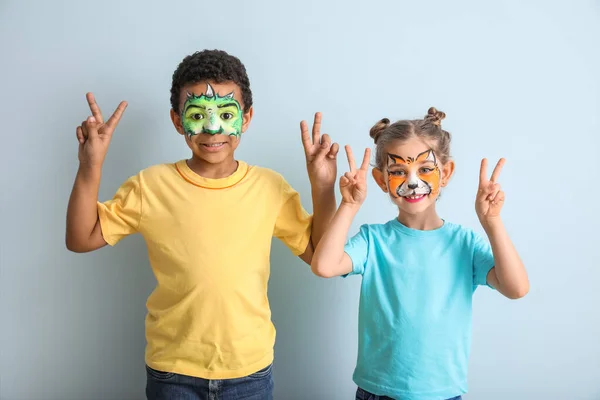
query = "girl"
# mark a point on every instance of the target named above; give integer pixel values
(418, 271)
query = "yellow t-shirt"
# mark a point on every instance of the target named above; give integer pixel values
(209, 243)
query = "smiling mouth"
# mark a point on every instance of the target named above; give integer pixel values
(213, 145)
(414, 198)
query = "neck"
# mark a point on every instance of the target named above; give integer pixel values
(425, 221)
(213, 171)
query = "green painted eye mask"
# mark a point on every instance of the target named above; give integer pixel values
(212, 114)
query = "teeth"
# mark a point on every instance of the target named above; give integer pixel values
(214, 145)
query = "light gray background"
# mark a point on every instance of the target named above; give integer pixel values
(516, 79)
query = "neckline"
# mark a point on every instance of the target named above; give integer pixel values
(417, 232)
(208, 183)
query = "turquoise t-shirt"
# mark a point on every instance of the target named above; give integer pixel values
(415, 307)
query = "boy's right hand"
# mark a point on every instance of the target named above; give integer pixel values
(94, 134)
(353, 184)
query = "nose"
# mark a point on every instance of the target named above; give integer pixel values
(413, 185)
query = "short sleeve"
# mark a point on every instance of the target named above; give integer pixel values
(483, 260)
(357, 249)
(121, 216)
(293, 224)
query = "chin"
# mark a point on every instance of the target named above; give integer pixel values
(216, 158)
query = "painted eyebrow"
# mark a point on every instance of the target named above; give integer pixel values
(227, 105)
(395, 158)
(195, 106)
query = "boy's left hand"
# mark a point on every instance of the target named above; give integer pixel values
(490, 197)
(320, 154)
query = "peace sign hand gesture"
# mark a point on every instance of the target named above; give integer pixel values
(353, 184)
(490, 197)
(94, 134)
(321, 154)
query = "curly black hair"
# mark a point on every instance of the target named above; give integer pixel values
(210, 65)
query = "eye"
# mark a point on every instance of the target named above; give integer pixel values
(397, 173)
(426, 170)
(197, 117)
(226, 116)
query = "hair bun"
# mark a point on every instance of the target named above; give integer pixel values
(435, 116)
(378, 128)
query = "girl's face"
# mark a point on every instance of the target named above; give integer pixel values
(412, 175)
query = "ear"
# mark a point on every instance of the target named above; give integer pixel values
(380, 179)
(247, 117)
(447, 172)
(176, 119)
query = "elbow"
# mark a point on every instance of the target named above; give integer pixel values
(319, 271)
(518, 292)
(75, 246)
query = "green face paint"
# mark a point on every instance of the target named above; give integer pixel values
(212, 114)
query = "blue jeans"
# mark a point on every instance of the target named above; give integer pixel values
(170, 386)
(362, 394)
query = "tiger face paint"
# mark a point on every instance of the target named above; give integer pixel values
(413, 178)
(212, 114)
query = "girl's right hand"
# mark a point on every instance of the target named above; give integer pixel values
(94, 135)
(353, 184)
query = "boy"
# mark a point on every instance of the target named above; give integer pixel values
(208, 223)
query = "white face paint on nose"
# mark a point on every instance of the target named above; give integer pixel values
(413, 181)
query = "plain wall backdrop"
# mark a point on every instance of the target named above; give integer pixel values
(518, 79)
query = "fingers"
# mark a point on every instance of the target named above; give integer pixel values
(483, 172)
(94, 107)
(497, 170)
(84, 130)
(493, 191)
(333, 151)
(316, 131)
(116, 117)
(365, 164)
(306, 140)
(90, 127)
(324, 146)
(79, 133)
(344, 181)
(499, 199)
(351, 162)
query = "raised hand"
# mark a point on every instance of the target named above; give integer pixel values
(320, 154)
(94, 134)
(490, 197)
(353, 184)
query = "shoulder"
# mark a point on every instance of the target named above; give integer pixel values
(376, 229)
(463, 235)
(157, 174)
(158, 170)
(265, 173)
(268, 179)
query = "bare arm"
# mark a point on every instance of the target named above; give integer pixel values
(330, 259)
(508, 276)
(83, 231)
(321, 164)
(83, 225)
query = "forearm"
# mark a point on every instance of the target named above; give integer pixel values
(328, 259)
(324, 207)
(82, 212)
(512, 280)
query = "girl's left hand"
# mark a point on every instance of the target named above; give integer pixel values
(490, 197)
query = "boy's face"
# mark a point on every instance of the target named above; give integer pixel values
(212, 120)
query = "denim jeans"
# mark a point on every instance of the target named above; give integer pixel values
(362, 394)
(170, 386)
